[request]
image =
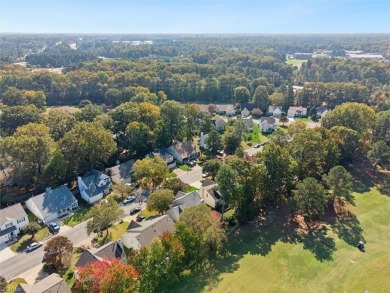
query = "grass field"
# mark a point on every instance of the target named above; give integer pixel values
(295, 62)
(25, 240)
(274, 257)
(78, 216)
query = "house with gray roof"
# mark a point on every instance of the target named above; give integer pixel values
(220, 123)
(226, 109)
(121, 173)
(12, 221)
(50, 284)
(297, 112)
(275, 111)
(249, 123)
(267, 124)
(52, 204)
(183, 201)
(143, 233)
(113, 249)
(93, 186)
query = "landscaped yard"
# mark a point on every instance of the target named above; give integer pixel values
(190, 189)
(274, 257)
(25, 240)
(184, 168)
(172, 175)
(114, 233)
(148, 214)
(79, 216)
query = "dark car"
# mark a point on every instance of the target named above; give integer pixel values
(140, 218)
(135, 210)
(34, 246)
(257, 146)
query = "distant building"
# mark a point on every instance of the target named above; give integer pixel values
(297, 112)
(202, 140)
(303, 56)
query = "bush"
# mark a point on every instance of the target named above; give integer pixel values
(249, 143)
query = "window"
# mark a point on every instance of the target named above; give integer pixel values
(9, 225)
(20, 220)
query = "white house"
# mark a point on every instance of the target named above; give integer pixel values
(93, 186)
(220, 123)
(245, 113)
(249, 123)
(52, 204)
(275, 111)
(183, 152)
(202, 140)
(227, 110)
(12, 220)
(181, 202)
(143, 233)
(267, 124)
(297, 112)
(210, 196)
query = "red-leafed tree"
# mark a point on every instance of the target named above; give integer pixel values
(108, 275)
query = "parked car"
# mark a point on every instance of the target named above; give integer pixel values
(221, 153)
(263, 143)
(191, 163)
(257, 146)
(129, 199)
(140, 218)
(135, 210)
(54, 227)
(34, 246)
(205, 174)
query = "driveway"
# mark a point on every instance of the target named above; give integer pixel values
(192, 176)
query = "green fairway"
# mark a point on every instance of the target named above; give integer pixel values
(276, 257)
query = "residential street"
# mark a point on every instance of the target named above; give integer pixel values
(23, 262)
(192, 176)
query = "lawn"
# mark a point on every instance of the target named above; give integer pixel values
(190, 189)
(114, 233)
(15, 282)
(276, 259)
(78, 216)
(295, 62)
(25, 240)
(184, 168)
(255, 135)
(148, 214)
(172, 175)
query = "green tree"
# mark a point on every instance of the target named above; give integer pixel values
(295, 128)
(58, 253)
(231, 140)
(148, 114)
(379, 154)
(241, 94)
(13, 117)
(209, 230)
(227, 184)
(192, 243)
(212, 167)
(283, 118)
(32, 228)
(55, 172)
(103, 215)
(59, 123)
(310, 198)
(261, 98)
(206, 124)
(88, 113)
(138, 138)
(3, 284)
(239, 152)
(214, 142)
(87, 146)
(289, 99)
(381, 130)
(172, 114)
(160, 200)
(123, 115)
(105, 120)
(113, 97)
(351, 146)
(151, 172)
(339, 181)
(174, 184)
(27, 152)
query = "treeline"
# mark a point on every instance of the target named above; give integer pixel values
(59, 56)
(369, 72)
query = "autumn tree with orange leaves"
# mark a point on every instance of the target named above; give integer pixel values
(108, 275)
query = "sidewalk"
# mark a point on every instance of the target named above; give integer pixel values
(6, 253)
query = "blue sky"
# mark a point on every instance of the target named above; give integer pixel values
(195, 16)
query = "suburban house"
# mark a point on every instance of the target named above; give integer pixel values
(204, 108)
(202, 140)
(121, 173)
(249, 123)
(181, 202)
(267, 124)
(248, 106)
(245, 113)
(163, 153)
(52, 204)
(113, 249)
(227, 110)
(321, 112)
(52, 283)
(275, 111)
(143, 233)
(12, 221)
(220, 123)
(183, 152)
(93, 186)
(210, 196)
(297, 112)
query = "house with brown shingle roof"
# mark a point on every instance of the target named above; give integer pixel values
(184, 152)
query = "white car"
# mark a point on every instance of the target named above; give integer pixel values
(34, 246)
(129, 200)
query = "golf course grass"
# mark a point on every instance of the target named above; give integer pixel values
(275, 256)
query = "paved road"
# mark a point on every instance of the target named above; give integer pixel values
(254, 151)
(23, 262)
(192, 176)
